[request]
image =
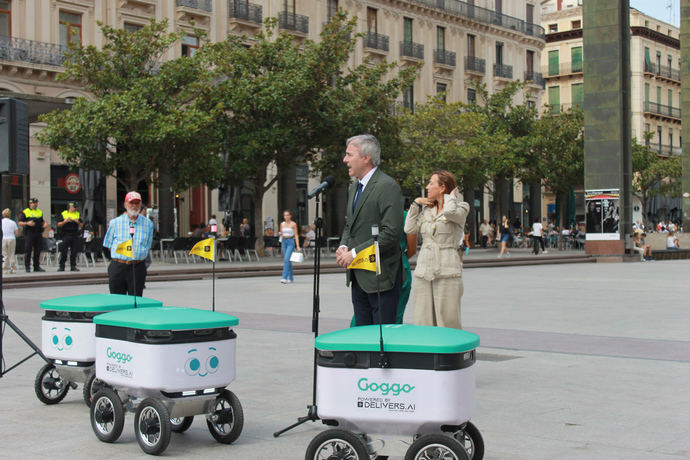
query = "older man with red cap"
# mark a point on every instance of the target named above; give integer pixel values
(126, 274)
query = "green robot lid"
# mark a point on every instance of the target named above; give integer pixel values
(166, 319)
(98, 302)
(406, 338)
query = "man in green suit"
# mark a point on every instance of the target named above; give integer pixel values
(373, 199)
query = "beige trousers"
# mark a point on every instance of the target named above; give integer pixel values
(8, 247)
(437, 302)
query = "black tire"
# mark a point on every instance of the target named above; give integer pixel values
(472, 441)
(107, 415)
(436, 446)
(91, 387)
(339, 444)
(180, 425)
(152, 426)
(227, 419)
(50, 387)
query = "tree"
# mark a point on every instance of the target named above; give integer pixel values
(284, 103)
(654, 175)
(556, 153)
(141, 119)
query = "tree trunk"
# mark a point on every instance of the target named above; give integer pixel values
(166, 205)
(258, 197)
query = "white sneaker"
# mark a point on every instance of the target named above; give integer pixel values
(545, 251)
(289, 281)
(283, 281)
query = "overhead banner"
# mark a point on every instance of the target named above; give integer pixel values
(603, 215)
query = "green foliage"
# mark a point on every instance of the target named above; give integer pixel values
(141, 119)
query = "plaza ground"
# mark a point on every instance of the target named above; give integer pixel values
(577, 361)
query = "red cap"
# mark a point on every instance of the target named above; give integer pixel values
(131, 196)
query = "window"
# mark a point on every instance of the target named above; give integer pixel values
(646, 92)
(372, 26)
(576, 94)
(499, 6)
(553, 62)
(530, 61)
(441, 89)
(471, 96)
(499, 53)
(576, 59)
(190, 45)
(647, 57)
(576, 24)
(441, 38)
(407, 30)
(131, 28)
(408, 98)
(553, 28)
(647, 129)
(332, 8)
(670, 98)
(659, 133)
(658, 94)
(289, 6)
(670, 62)
(70, 28)
(470, 45)
(670, 139)
(6, 19)
(658, 61)
(555, 99)
(529, 13)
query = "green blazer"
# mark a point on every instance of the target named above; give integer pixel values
(381, 203)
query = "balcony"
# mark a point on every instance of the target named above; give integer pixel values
(297, 24)
(536, 78)
(410, 50)
(22, 50)
(503, 71)
(662, 111)
(475, 65)
(556, 109)
(485, 16)
(205, 5)
(661, 71)
(665, 149)
(444, 58)
(376, 43)
(565, 69)
(246, 12)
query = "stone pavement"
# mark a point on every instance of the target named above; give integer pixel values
(582, 361)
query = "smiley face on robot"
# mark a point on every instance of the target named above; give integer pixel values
(201, 362)
(61, 339)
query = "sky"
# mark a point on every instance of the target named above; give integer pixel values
(658, 9)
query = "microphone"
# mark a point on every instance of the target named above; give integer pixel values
(325, 185)
(131, 228)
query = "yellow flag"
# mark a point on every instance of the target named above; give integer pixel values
(365, 260)
(205, 248)
(125, 248)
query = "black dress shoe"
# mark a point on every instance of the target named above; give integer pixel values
(28, 270)
(61, 269)
(38, 269)
(74, 269)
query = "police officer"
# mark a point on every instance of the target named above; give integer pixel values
(70, 224)
(31, 220)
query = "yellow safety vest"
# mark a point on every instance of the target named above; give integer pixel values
(33, 213)
(70, 215)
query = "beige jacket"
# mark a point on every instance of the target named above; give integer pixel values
(441, 233)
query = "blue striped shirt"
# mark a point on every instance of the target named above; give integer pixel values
(118, 232)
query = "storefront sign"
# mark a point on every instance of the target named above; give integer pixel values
(72, 183)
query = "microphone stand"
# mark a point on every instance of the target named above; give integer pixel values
(312, 414)
(134, 278)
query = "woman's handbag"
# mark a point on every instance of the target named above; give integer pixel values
(297, 257)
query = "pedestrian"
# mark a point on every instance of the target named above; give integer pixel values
(504, 235)
(245, 228)
(289, 235)
(70, 224)
(538, 237)
(440, 219)
(373, 199)
(484, 231)
(127, 275)
(10, 231)
(31, 220)
(213, 225)
(672, 242)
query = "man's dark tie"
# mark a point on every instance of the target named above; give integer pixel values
(359, 192)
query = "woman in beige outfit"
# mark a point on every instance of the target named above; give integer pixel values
(440, 219)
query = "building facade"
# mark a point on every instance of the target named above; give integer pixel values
(655, 79)
(492, 41)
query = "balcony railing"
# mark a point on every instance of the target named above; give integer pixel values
(20, 49)
(245, 11)
(294, 22)
(556, 109)
(665, 149)
(659, 109)
(444, 57)
(475, 64)
(662, 71)
(206, 5)
(535, 77)
(503, 71)
(376, 41)
(484, 15)
(566, 68)
(413, 50)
